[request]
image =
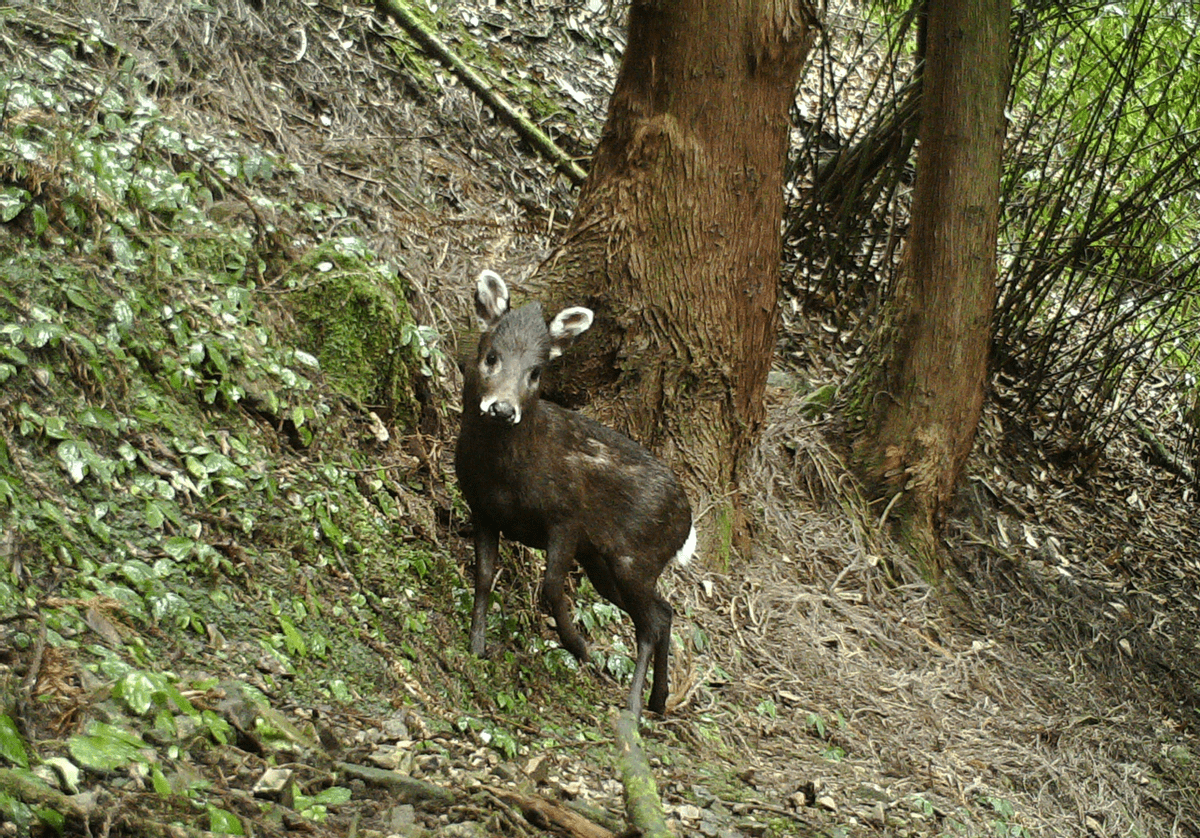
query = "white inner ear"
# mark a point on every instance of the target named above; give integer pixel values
(491, 299)
(571, 322)
(567, 325)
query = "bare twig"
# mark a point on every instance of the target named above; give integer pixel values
(519, 122)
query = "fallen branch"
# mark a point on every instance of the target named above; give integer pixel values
(1159, 455)
(642, 806)
(519, 122)
(33, 792)
(404, 789)
(544, 813)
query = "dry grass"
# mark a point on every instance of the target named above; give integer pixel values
(1000, 701)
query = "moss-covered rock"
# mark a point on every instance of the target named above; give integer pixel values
(354, 318)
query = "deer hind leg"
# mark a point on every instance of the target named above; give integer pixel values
(662, 652)
(560, 554)
(652, 622)
(652, 618)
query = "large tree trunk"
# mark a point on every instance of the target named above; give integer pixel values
(676, 239)
(915, 407)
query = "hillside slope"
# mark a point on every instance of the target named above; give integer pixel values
(236, 248)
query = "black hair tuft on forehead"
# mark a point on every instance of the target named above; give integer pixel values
(524, 327)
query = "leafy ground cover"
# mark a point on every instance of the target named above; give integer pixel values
(206, 509)
(235, 250)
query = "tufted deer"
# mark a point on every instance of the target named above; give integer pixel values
(558, 481)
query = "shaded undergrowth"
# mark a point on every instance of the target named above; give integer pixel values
(209, 452)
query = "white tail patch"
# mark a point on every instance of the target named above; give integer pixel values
(688, 549)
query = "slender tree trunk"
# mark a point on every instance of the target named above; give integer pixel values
(676, 239)
(915, 407)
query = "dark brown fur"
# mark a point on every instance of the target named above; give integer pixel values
(558, 481)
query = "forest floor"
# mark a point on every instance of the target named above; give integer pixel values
(236, 577)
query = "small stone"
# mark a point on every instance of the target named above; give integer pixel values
(388, 756)
(536, 769)
(572, 789)
(276, 784)
(394, 728)
(66, 774)
(429, 763)
(402, 818)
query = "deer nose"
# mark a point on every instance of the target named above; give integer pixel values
(504, 411)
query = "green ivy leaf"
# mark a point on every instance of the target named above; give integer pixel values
(11, 746)
(84, 343)
(123, 313)
(195, 467)
(52, 818)
(105, 748)
(38, 335)
(330, 529)
(218, 359)
(181, 702)
(218, 728)
(77, 298)
(15, 355)
(223, 822)
(137, 690)
(306, 359)
(154, 515)
(178, 547)
(12, 200)
(73, 460)
(333, 796)
(139, 574)
(99, 418)
(41, 220)
(56, 427)
(295, 642)
(161, 787)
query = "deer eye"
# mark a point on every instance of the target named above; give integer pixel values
(535, 375)
(492, 358)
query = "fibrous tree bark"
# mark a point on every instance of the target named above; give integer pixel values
(915, 404)
(675, 242)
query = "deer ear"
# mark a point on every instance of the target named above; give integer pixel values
(567, 325)
(491, 299)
